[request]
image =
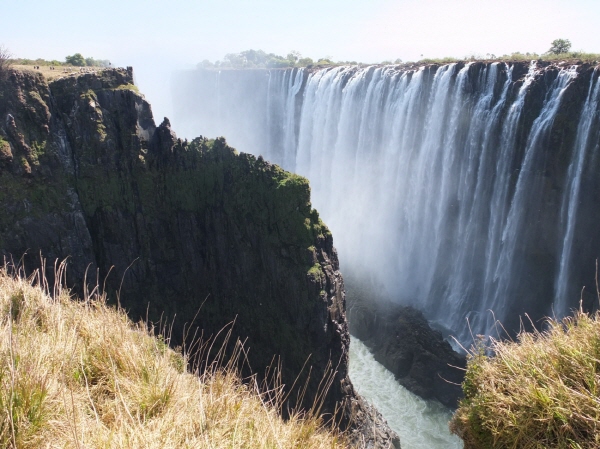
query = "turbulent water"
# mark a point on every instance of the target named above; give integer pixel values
(467, 190)
(420, 424)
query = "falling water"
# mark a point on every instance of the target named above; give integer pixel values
(585, 147)
(434, 181)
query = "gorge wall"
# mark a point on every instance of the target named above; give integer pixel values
(467, 190)
(189, 233)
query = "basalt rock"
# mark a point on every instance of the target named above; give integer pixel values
(194, 235)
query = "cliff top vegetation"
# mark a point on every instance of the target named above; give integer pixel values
(75, 60)
(540, 391)
(5, 60)
(80, 374)
(48, 67)
(560, 49)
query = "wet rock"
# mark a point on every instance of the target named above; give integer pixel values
(401, 339)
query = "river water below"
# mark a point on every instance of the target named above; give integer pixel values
(421, 424)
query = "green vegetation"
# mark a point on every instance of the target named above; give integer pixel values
(316, 272)
(257, 59)
(80, 374)
(560, 46)
(128, 86)
(78, 60)
(539, 392)
(590, 58)
(446, 60)
(252, 59)
(560, 50)
(38, 61)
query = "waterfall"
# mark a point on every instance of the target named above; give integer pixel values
(450, 187)
(585, 147)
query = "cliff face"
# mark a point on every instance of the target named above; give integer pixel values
(192, 233)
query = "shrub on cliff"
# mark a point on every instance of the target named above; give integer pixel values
(80, 374)
(5, 60)
(77, 60)
(539, 392)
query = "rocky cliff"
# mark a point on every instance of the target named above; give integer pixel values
(190, 233)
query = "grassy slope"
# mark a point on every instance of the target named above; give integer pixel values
(81, 375)
(541, 391)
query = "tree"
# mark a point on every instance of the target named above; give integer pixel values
(560, 46)
(255, 58)
(293, 56)
(5, 59)
(77, 60)
(303, 62)
(325, 61)
(236, 60)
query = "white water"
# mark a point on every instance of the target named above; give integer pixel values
(420, 424)
(428, 179)
(585, 147)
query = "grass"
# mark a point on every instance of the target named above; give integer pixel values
(55, 73)
(574, 57)
(128, 86)
(542, 391)
(79, 374)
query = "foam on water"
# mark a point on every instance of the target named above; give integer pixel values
(420, 424)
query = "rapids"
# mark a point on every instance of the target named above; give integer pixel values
(420, 424)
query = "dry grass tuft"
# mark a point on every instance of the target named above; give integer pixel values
(542, 391)
(81, 375)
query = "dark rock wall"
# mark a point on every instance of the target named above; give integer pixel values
(401, 339)
(193, 234)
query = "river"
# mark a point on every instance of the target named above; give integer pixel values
(420, 424)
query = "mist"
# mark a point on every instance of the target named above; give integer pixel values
(414, 173)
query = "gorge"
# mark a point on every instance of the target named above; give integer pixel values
(194, 237)
(467, 190)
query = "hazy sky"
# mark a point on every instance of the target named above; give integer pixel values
(157, 37)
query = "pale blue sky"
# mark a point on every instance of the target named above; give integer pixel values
(157, 37)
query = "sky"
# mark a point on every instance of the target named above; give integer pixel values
(160, 37)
